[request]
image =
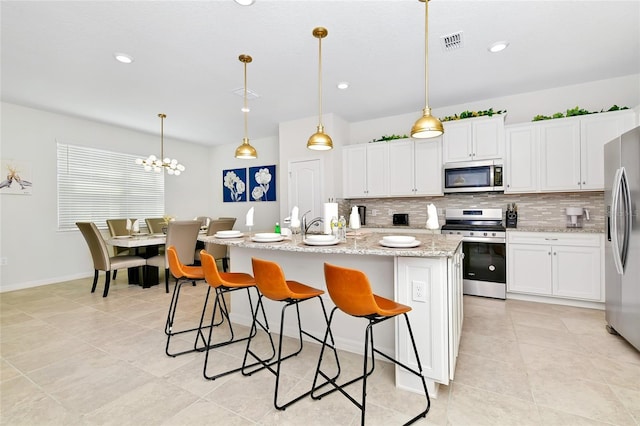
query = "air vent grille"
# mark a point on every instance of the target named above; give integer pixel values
(250, 94)
(452, 41)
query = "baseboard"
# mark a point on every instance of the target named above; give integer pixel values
(38, 283)
(556, 301)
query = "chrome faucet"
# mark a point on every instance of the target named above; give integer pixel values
(305, 226)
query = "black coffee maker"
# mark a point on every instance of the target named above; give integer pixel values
(362, 211)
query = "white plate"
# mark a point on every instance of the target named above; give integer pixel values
(268, 240)
(412, 244)
(262, 235)
(159, 234)
(321, 243)
(236, 235)
(398, 239)
(229, 233)
(122, 237)
(319, 238)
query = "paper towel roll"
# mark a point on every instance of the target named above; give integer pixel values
(330, 211)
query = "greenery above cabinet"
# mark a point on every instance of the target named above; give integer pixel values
(573, 112)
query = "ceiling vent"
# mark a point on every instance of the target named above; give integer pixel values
(452, 41)
(250, 95)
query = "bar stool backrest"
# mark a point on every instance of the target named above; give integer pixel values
(270, 279)
(211, 273)
(350, 290)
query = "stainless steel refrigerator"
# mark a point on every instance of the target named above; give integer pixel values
(622, 244)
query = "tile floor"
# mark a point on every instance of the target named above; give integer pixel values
(69, 357)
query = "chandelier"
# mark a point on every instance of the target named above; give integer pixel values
(157, 164)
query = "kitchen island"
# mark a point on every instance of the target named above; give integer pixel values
(428, 278)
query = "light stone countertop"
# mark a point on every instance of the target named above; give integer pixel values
(541, 228)
(366, 243)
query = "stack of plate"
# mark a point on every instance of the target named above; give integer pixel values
(321, 240)
(228, 234)
(267, 237)
(399, 241)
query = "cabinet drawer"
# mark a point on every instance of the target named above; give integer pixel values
(555, 238)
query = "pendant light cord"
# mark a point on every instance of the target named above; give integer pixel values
(246, 111)
(426, 54)
(320, 81)
(162, 117)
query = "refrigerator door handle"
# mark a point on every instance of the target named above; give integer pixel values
(617, 184)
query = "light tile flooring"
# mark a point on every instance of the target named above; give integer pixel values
(70, 357)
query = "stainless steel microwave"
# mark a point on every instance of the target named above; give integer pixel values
(473, 176)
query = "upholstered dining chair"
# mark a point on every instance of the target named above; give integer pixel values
(155, 224)
(218, 251)
(118, 227)
(100, 254)
(183, 235)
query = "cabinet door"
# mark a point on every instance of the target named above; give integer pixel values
(521, 159)
(377, 169)
(428, 166)
(401, 168)
(560, 155)
(488, 139)
(457, 142)
(576, 272)
(354, 171)
(529, 269)
(595, 131)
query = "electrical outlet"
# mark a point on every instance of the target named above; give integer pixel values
(390, 212)
(419, 290)
(374, 212)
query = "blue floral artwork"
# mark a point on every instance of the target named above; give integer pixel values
(234, 187)
(262, 183)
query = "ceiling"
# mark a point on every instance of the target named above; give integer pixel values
(58, 56)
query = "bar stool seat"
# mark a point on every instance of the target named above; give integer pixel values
(350, 290)
(272, 284)
(223, 283)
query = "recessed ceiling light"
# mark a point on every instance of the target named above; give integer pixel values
(343, 85)
(498, 46)
(123, 57)
(245, 2)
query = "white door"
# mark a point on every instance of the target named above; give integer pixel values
(305, 188)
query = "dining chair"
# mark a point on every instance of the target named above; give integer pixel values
(155, 224)
(218, 251)
(183, 235)
(100, 254)
(118, 227)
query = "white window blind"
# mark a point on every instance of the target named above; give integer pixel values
(95, 185)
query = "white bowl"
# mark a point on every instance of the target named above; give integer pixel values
(266, 235)
(319, 238)
(398, 239)
(227, 233)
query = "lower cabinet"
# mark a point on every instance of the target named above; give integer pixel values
(556, 264)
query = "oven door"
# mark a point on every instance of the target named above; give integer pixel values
(485, 268)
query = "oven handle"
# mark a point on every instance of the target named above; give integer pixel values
(484, 240)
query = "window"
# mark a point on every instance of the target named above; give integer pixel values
(95, 185)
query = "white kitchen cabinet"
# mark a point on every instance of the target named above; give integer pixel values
(521, 159)
(365, 170)
(560, 155)
(567, 265)
(415, 167)
(472, 139)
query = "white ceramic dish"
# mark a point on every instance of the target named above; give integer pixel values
(331, 242)
(268, 240)
(237, 234)
(414, 243)
(159, 234)
(266, 235)
(319, 238)
(122, 237)
(228, 233)
(398, 239)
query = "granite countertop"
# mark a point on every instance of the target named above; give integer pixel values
(366, 243)
(541, 228)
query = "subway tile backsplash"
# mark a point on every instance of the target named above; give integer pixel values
(534, 210)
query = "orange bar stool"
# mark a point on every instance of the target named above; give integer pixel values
(272, 284)
(350, 291)
(183, 274)
(223, 283)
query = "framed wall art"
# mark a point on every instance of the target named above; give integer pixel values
(15, 177)
(234, 187)
(262, 183)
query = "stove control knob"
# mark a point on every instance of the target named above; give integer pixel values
(485, 234)
(471, 233)
(493, 234)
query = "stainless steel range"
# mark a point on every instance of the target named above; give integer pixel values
(484, 246)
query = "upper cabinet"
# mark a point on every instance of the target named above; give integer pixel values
(398, 168)
(472, 139)
(563, 154)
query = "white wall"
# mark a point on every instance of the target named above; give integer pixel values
(36, 252)
(593, 96)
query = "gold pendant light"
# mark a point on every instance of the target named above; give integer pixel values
(245, 150)
(427, 126)
(158, 164)
(320, 141)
